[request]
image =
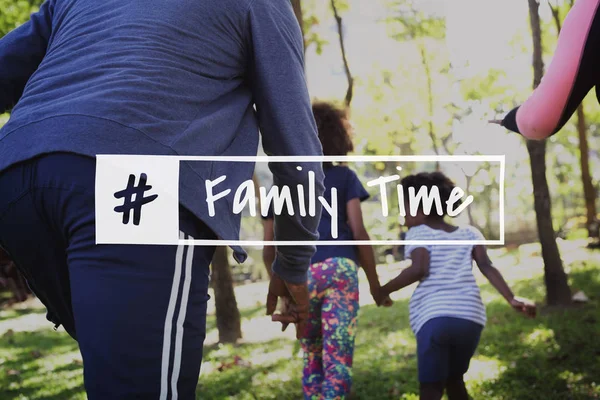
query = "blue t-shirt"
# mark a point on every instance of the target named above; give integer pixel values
(348, 188)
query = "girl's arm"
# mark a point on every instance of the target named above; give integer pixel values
(491, 273)
(495, 277)
(416, 272)
(366, 256)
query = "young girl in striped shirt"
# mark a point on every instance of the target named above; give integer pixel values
(446, 311)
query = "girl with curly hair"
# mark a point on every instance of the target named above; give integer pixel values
(333, 276)
(446, 311)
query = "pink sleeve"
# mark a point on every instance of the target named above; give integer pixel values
(573, 72)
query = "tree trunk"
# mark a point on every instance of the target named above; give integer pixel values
(565, 209)
(427, 69)
(297, 6)
(350, 90)
(589, 191)
(228, 315)
(468, 190)
(488, 212)
(557, 287)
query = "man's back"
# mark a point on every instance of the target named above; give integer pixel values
(154, 77)
(154, 66)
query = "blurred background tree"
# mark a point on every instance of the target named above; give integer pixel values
(227, 312)
(558, 291)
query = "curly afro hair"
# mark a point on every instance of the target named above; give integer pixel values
(430, 180)
(332, 127)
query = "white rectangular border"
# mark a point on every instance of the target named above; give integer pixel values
(408, 158)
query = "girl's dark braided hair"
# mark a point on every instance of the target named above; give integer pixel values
(430, 180)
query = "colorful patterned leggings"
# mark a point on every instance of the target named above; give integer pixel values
(329, 344)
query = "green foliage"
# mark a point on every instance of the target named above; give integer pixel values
(318, 13)
(310, 36)
(408, 22)
(15, 12)
(494, 87)
(341, 5)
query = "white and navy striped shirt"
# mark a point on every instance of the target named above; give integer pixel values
(450, 290)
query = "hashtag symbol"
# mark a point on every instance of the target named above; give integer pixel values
(133, 199)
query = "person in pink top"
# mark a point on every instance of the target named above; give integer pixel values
(573, 72)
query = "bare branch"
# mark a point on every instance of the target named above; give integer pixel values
(538, 63)
(555, 15)
(297, 6)
(338, 19)
(425, 63)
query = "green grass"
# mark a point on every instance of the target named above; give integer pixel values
(554, 357)
(40, 365)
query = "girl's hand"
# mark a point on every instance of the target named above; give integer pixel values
(387, 301)
(524, 306)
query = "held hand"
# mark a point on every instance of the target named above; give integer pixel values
(380, 297)
(524, 306)
(387, 301)
(295, 304)
(376, 294)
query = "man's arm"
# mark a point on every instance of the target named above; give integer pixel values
(287, 125)
(21, 52)
(572, 73)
